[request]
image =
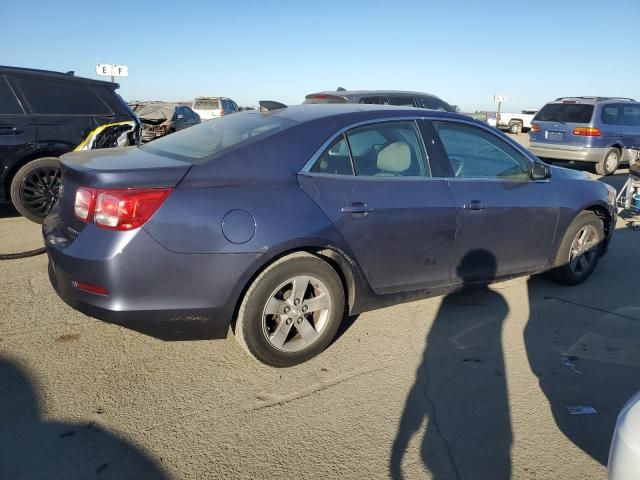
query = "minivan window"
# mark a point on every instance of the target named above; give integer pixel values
(632, 115)
(206, 104)
(400, 101)
(565, 112)
(200, 142)
(611, 115)
(370, 100)
(52, 97)
(433, 104)
(8, 102)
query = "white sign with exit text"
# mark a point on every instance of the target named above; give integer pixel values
(108, 70)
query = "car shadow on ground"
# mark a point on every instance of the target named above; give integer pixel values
(32, 446)
(583, 348)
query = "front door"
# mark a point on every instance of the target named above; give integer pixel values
(375, 184)
(507, 222)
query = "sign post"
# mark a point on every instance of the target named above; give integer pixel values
(110, 70)
(499, 99)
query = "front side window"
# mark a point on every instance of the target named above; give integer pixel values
(476, 153)
(53, 97)
(632, 115)
(611, 115)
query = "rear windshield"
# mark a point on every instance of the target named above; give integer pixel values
(206, 104)
(565, 112)
(199, 143)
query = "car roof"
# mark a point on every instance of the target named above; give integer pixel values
(51, 74)
(592, 100)
(311, 112)
(356, 93)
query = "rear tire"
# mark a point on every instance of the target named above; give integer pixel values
(35, 188)
(609, 163)
(515, 127)
(580, 250)
(291, 311)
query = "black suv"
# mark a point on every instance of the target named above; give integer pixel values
(381, 97)
(44, 114)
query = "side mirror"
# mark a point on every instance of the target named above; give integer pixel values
(540, 171)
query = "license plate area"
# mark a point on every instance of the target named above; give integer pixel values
(551, 135)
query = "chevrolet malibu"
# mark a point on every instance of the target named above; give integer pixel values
(279, 224)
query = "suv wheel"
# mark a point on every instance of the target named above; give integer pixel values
(291, 311)
(580, 249)
(609, 163)
(35, 188)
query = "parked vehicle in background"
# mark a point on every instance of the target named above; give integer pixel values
(284, 260)
(214, 107)
(381, 97)
(586, 129)
(44, 114)
(159, 119)
(624, 456)
(516, 122)
(491, 118)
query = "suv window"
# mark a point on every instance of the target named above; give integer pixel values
(400, 101)
(51, 97)
(611, 115)
(8, 102)
(631, 115)
(391, 149)
(476, 153)
(433, 104)
(370, 100)
(335, 159)
(565, 112)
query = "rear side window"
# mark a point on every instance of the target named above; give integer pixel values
(631, 115)
(197, 144)
(206, 104)
(433, 104)
(476, 153)
(52, 97)
(335, 160)
(565, 112)
(370, 100)
(611, 115)
(400, 101)
(8, 102)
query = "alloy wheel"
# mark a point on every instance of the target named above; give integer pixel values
(296, 313)
(39, 190)
(583, 250)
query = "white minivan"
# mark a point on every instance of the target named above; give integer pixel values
(213, 107)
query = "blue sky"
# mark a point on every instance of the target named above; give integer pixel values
(464, 52)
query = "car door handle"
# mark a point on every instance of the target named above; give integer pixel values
(474, 205)
(9, 131)
(357, 208)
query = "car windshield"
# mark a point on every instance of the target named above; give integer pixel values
(199, 143)
(206, 104)
(565, 112)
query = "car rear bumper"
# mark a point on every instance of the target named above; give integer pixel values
(568, 152)
(150, 289)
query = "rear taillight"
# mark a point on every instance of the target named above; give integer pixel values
(586, 132)
(535, 128)
(117, 209)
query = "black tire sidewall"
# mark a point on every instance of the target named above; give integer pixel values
(251, 314)
(563, 273)
(16, 185)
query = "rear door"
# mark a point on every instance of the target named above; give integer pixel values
(611, 123)
(504, 217)
(376, 184)
(16, 129)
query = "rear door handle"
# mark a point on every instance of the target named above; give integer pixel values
(474, 205)
(357, 208)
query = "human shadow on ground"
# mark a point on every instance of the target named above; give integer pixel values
(32, 447)
(460, 388)
(583, 345)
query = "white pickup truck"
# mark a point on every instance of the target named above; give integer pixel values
(516, 122)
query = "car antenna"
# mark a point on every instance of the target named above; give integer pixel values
(341, 89)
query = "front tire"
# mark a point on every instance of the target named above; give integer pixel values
(35, 188)
(291, 311)
(609, 163)
(580, 250)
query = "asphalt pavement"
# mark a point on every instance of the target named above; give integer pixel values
(474, 385)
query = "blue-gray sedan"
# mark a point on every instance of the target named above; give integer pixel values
(279, 224)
